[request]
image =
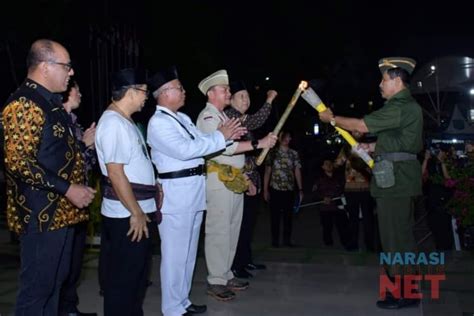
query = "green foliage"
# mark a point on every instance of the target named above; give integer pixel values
(461, 205)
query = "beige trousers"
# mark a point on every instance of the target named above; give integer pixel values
(223, 219)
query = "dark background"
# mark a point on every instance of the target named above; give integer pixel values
(336, 44)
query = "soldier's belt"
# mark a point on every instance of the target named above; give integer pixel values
(394, 157)
(232, 178)
(196, 171)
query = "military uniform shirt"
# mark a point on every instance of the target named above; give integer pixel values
(398, 126)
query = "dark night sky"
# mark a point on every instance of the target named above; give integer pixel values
(338, 42)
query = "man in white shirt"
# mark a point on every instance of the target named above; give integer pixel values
(177, 148)
(128, 207)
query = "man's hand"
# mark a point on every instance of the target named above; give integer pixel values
(368, 147)
(80, 195)
(271, 95)
(327, 200)
(161, 194)
(89, 136)
(252, 190)
(232, 129)
(138, 226)
(268, 141)
(266, 195)
(326, 116)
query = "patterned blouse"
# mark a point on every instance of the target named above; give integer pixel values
(251, 122)
(283, 164)
(88, 153)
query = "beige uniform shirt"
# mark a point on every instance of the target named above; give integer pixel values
(208, 121)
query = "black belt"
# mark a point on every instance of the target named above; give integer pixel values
(196, 171)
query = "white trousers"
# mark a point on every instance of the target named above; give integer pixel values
(179, 235)
(223, 220)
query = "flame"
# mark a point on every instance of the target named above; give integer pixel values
(303, 85)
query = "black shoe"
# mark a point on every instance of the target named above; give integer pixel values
(392, 303)
(101, 292)
(196, 309)
(242, 274)
(78, 314)
(255, 266)
(149, 283)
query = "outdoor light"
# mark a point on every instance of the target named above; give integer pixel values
(471, 92)
(433, 67)
(471, 115)
(454, 140)
(267, 78)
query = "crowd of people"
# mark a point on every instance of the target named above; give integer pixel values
(184, 174)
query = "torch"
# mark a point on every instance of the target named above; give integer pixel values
(313, 99)
(289, 107)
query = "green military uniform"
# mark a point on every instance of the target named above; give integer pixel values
(398, 125)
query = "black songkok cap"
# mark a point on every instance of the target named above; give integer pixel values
(128, 77)
(236, 86)
(162, 77)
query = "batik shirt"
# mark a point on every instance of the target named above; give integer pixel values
(251, 122)
(283, 164)
(42, 159)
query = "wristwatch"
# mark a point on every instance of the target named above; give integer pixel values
(333, 121)
(254, 144)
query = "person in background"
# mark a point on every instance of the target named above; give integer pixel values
(359, 201)
(69, 299)
(281, 182)
(435, 173)
(240, 103)
(328, 186)
(44, 166)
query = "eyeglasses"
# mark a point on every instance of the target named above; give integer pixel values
(180, 88)
(67, 66)
(142, 90)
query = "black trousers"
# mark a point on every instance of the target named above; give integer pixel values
(243, 254)
(45, 262)
(362, 200)
(340, 220)
(126, 269)
(281, 206)
(69, 299)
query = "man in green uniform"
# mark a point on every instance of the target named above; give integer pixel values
(398, 126)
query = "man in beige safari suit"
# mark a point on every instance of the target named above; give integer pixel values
(225, 187)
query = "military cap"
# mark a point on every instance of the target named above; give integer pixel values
(219, 77)
(236, 86)
(162, 77)
(128, 77)
(405, 63)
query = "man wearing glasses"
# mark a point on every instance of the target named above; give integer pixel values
(44, 169)
(177, 148)
(129, 208)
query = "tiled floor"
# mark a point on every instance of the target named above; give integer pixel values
(308, 280)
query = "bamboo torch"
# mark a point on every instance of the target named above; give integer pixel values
(289, 107)
(315, 101)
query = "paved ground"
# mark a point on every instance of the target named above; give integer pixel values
(308, 280)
